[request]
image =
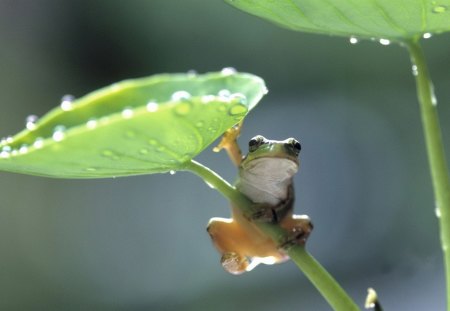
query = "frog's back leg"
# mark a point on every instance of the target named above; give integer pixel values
(241, 250)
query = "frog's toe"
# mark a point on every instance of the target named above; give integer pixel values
(234, 263)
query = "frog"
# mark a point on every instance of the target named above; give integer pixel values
(265, 176)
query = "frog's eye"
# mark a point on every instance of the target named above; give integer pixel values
(295, 145)
(255, 142)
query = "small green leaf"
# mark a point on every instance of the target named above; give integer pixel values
(148, 125)
(382, 19)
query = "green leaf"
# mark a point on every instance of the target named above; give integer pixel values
(148, 125)
(388, 19)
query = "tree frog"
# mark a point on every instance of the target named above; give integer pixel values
(266, 178)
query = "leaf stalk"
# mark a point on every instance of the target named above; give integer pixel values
(338, 299)
(435, 150)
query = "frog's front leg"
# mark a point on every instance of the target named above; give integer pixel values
(229, 143)
(299, 228)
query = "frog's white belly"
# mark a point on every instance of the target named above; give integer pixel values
(266, 180)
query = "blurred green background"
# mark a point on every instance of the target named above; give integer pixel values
(140, 243)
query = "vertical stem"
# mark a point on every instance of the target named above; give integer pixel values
(435, 150)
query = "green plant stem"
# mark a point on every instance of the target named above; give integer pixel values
(338, 299)
(435, 150)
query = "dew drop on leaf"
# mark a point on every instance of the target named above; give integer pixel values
(384, 41)
(23, 149)
(237, 109)
(110, 154)
(30, 122)
(353, 40)
(239, 96)
(172, 172)
(224, 93)
(152, 106)
(66, 102)
(427, 35)
(228, 71)
(38, 143)
(6, 149)
(183, 108)
(127, 112)
(91, 124)
(59, 133)
(4, 154)
(439, 9)
(180, 95)
(207, 99)
(143, 151)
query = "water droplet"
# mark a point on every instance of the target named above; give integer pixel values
(239, 96)
(200, 124)
(237, 109)
(191, 73)
(434, 100)
(91, 169)
(353, 40)
(152, 106)
(9, 139)
(143, 151)
(4, 154)
(224, 93)
(427, 35)
(415, 72)
(23, 149)
(38, 143)
(58, 133)
(153, 142)
(384, 41)
(6, 148)
(91, 124)
(210, 185)
(437, 211)
(433, 95)
(208, 98)
(228, 71)
(127, 112)
(116, 87)
(172, 172)
(183, 108)
(66, 102)
(110, 154)
(180, 95)
(30, 122)
(439, 9)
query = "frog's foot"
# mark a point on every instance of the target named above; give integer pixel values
(299, 228)
(229, 143)
(234, 263)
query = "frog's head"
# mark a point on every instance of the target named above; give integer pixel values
(271, 159)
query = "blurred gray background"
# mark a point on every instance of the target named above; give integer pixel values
(139, 243)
